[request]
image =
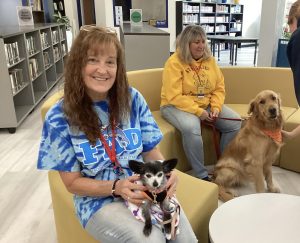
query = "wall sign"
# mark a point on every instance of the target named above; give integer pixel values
(136, 17)
(24, 14)
(118, 15)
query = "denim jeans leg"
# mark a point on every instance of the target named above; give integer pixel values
(228, 128)
(189, 126)
(114, 223)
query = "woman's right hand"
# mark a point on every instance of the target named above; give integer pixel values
(287, 135)
(129, 190)
(204, 115)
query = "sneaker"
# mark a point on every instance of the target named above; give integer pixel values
(207, 179)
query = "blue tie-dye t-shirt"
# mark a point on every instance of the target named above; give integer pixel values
(65, 148)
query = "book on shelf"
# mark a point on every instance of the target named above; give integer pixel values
(56, 53)
(16, 79)
(47, 61)
(55, 6)
(236, 9)
(44, 40)
(61, 34)
(30, 45)
(55, 37)
(33, 68)
(11, 53)
(63, 49)
(35, 4)
(60, 6)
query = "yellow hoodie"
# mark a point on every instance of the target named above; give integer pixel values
(193, 87)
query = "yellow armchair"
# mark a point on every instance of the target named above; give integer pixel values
(198, 198)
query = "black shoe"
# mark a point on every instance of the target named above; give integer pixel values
(207, 179)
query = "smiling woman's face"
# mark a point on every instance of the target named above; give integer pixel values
(99, 73)
(197, 48)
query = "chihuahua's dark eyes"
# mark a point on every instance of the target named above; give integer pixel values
(148, 175)
(160, 174)
(262, 102)
(273, 97)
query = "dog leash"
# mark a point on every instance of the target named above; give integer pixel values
(231, 119)
(216, 136)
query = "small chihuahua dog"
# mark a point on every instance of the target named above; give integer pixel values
(153, 175)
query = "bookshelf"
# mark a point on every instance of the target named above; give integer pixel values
(54, 7)
(31, 63)
(215, 18)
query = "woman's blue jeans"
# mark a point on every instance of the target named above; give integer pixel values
(189, 126)
(114, 223)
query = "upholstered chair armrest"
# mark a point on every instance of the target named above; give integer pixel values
(199, 199)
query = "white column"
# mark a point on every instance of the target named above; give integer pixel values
(172, 24)
(104, 13)
(270, 31)
(71, 12)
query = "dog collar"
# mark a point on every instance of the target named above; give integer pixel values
(275, 135)
(154, 197)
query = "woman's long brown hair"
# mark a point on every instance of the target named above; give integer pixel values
(294, 12)
(78, 106)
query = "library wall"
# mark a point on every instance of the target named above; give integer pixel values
(8, 12)
(252, 17)
(270, 31)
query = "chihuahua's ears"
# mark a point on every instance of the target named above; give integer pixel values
(169, 165)
(136, 166)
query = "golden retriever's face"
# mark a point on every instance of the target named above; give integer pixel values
(266, 105)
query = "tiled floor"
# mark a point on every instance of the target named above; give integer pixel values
(245, 57)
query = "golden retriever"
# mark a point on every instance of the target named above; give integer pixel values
(250, 155)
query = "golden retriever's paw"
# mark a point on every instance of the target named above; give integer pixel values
(226, 194)
(274, 189)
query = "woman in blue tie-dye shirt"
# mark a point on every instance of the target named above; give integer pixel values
(93, 131)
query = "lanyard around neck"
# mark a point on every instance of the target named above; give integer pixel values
(111, 152)
(196, 70)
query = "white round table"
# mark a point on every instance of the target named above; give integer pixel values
(257, 218)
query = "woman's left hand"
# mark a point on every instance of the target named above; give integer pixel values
(213, 115)
(172, 184)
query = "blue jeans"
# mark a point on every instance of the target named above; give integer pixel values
(189, 126)
(114, 223)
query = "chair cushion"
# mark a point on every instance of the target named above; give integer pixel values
(171, 144)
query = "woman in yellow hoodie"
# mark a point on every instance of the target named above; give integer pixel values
(193, 90)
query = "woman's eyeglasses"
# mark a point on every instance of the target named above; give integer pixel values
(98, 28)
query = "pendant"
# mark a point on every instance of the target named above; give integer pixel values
(154, 197)
(118, 171)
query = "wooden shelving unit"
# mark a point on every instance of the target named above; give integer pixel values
(54, 7)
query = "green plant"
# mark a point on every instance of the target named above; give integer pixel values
(62, 19)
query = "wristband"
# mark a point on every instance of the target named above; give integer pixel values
(113, 189)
